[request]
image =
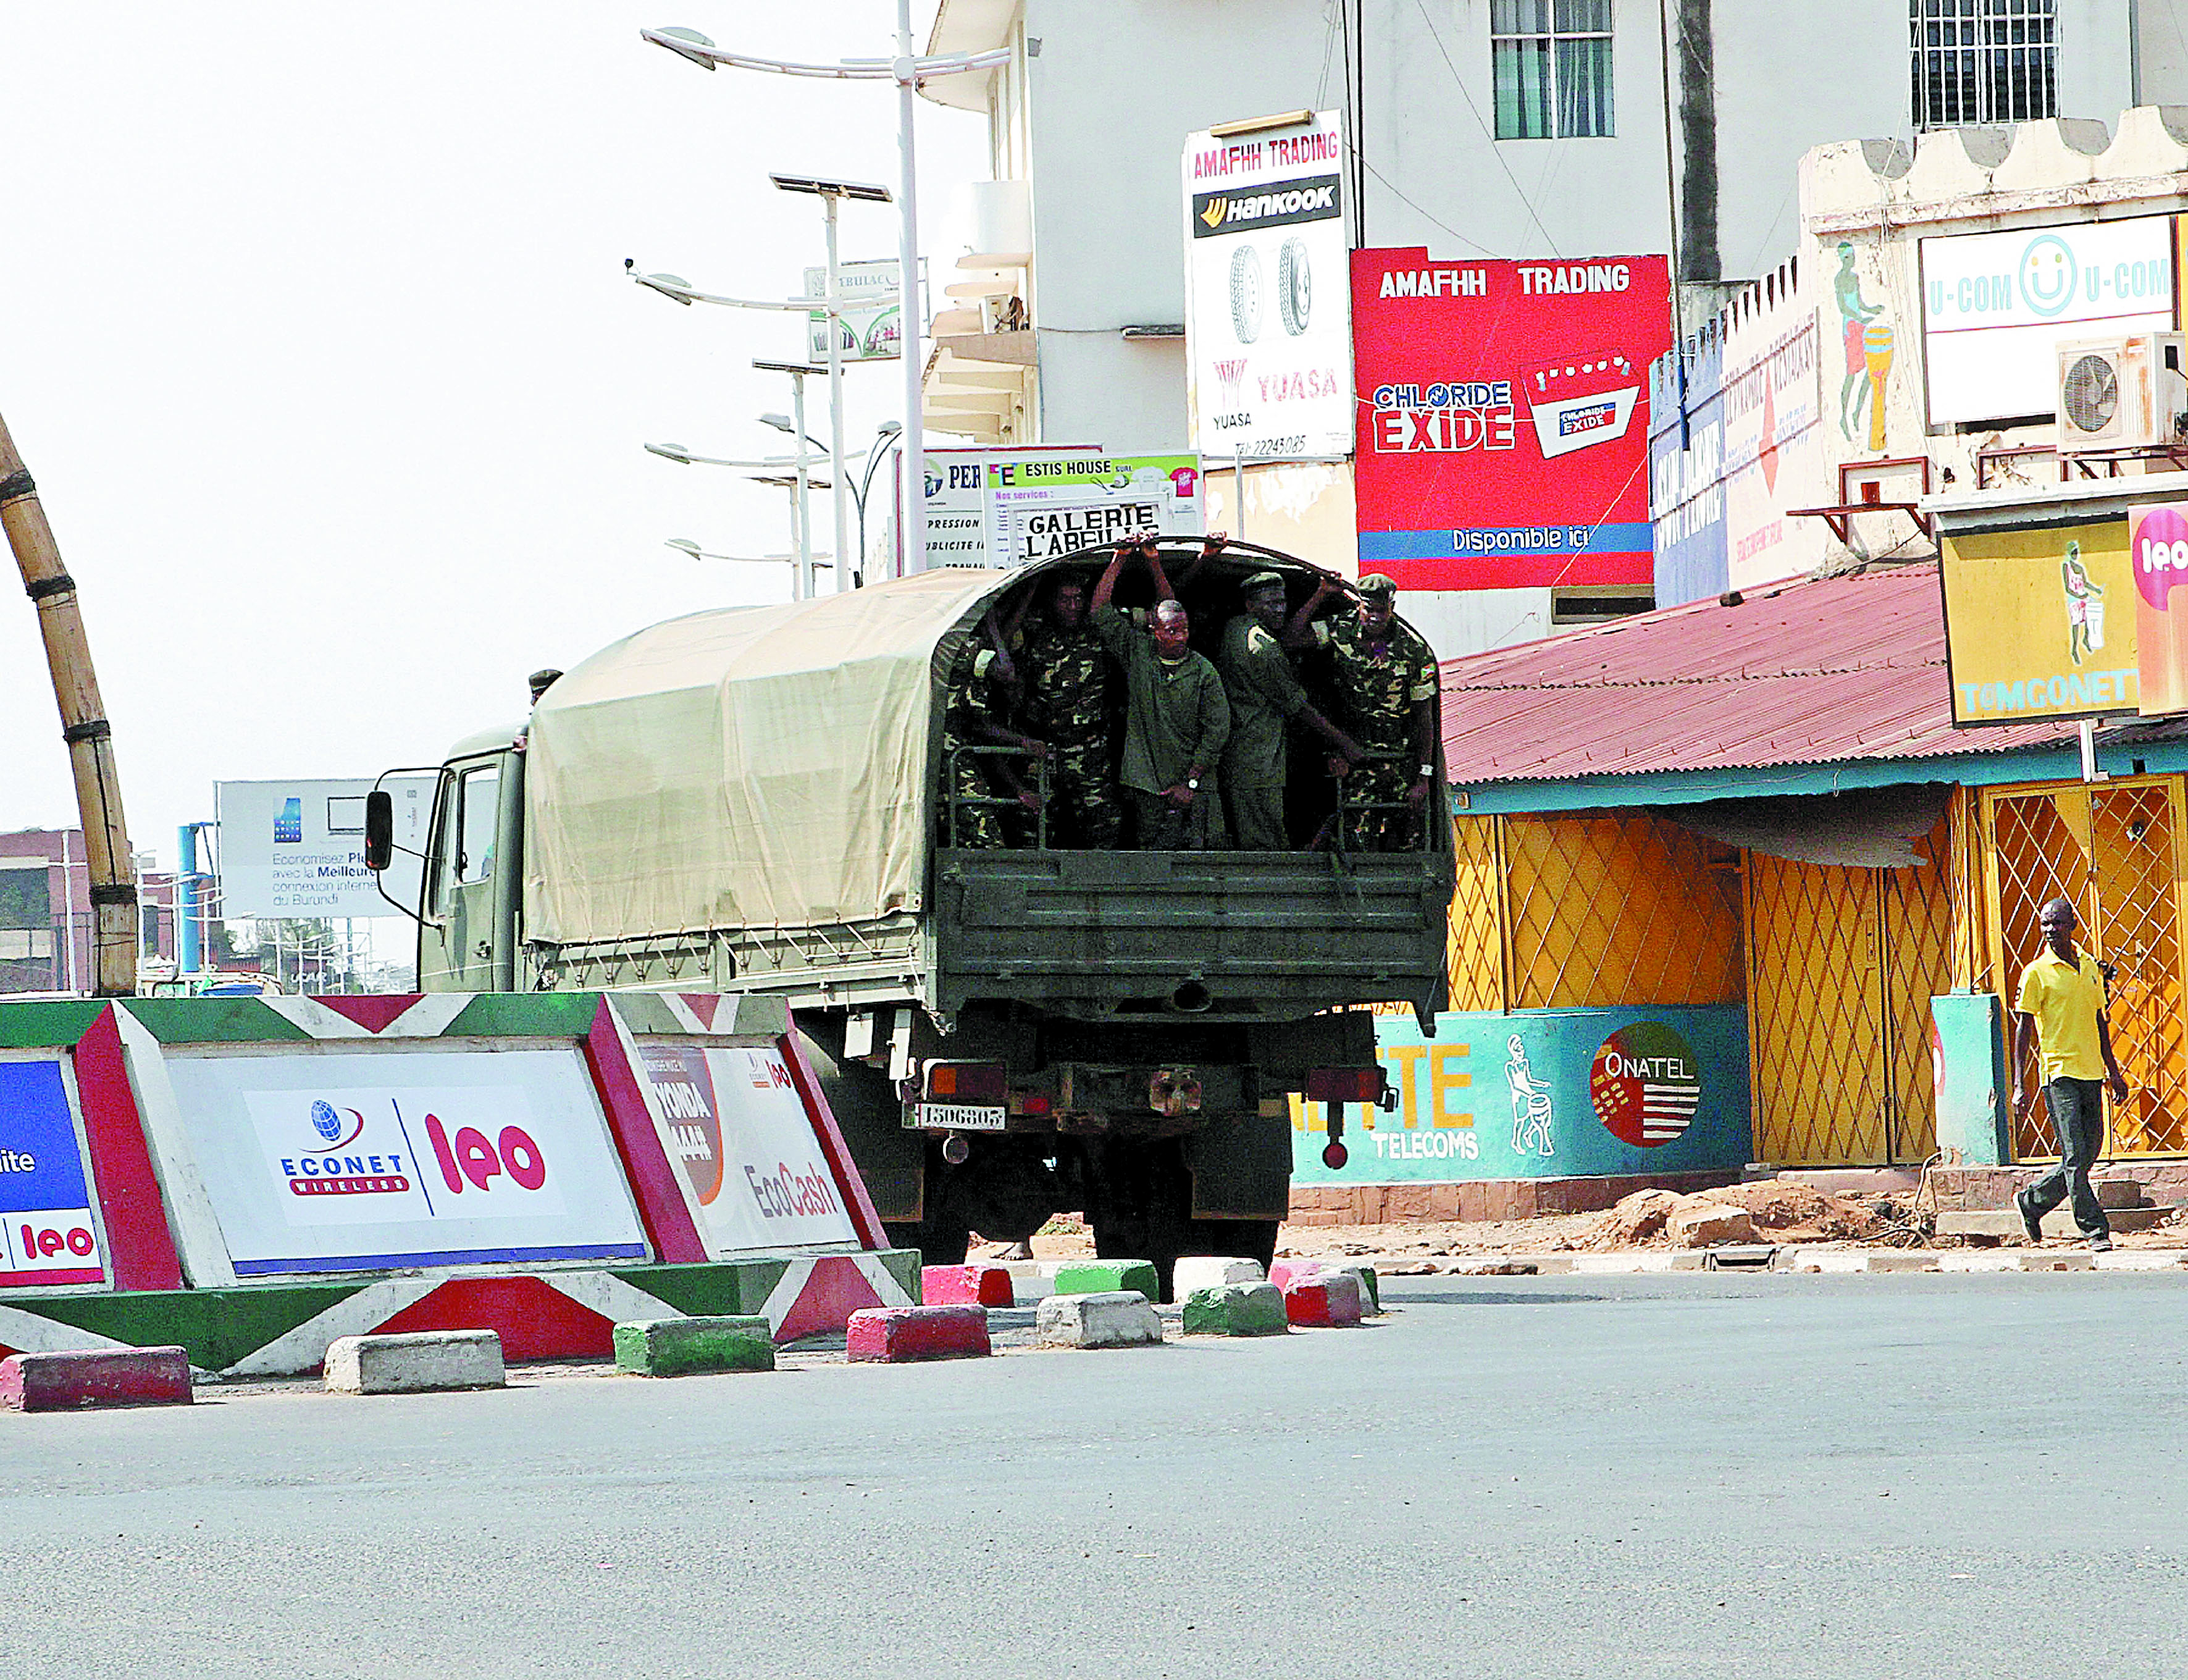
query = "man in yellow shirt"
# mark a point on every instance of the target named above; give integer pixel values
(2061, 1008)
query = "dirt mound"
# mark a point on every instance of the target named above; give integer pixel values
(1636, 1221)
(1786, 1209)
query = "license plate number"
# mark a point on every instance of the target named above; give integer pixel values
(962, 1116)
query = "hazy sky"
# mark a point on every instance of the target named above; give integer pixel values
(315, 335)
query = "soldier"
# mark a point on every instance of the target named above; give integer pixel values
(1176, 717)
(1263, 691)
(1384, 680)
(1068, 695)
(970, 718)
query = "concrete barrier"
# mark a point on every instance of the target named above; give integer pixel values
(1211, 1271)
(967, 1286)
(1107, 1277)
(1327, 1299)
(1284, 1271)
(694, 1347)
(1121, 1319)
(82, 1381)
(897, 1335)
(1371, 1293)
(427, 1362)
(1236, 1309)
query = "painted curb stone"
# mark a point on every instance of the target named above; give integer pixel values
(692, 1347)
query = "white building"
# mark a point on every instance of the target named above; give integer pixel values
(1533, 128)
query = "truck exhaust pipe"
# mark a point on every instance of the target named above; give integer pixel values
(1191, 998)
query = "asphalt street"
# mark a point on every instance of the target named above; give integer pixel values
(1700, 1474)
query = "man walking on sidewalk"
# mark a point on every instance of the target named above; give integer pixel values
(2061, 1007)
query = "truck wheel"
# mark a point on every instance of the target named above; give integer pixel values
(1294, 286)
(1246, 294)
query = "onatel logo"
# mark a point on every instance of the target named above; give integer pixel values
(2161, 553)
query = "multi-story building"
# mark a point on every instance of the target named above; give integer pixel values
(1513, 128)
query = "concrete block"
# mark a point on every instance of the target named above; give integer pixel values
(1236, 1309)
(967, 1286)
(1856, 1259)
(1284, 1271)
(693, 1347)
(104, 1377)
(897, 1335)
(2143, 1259)
(1208, 1271)
(1488, 1266)
(1371, 1295)
(1108, 1277)
(425, 1362)
(1122, 1319)
(1328, 1299)
(1700, 1223)
(1640, 1260)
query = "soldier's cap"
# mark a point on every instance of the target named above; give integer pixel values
(1378, 584)
(1262, 580)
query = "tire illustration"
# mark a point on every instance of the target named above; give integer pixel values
(1294, 286)
(1246, 293)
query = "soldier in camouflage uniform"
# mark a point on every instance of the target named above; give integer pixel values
(971, 718)
(1068, 696)
(1384, 685)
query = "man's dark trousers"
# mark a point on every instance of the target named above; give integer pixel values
(2078, 1118)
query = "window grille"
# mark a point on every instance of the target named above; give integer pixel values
(1550, 63)
(1982, 61)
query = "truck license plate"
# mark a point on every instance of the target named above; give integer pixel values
(962, 1116)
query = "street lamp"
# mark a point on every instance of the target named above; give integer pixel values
(831, 195)
(907, 70)
(767, 471)
(794, 424)
(888, 429)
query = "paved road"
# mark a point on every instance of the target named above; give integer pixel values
(1768, 1477)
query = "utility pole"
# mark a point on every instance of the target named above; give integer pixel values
(83, 727)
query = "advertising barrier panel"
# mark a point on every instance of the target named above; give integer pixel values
(1996, 306)
(48, 1235)
(1545, 1094)
(733, 1124)
(2040, 624)
(356, 1161)
(1503, 438)
(1267, 327)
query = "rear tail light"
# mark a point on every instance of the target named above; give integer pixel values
(1345, 1085)
(966, 1082)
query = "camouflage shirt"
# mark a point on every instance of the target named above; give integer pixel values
(969, 705)
(1378, 686)
(1068, 682)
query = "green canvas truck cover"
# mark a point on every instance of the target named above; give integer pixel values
(748, 767)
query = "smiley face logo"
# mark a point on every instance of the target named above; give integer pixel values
(2047, 274)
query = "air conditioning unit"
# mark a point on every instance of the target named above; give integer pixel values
(2122, 393)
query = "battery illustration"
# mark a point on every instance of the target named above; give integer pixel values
(1581, 401)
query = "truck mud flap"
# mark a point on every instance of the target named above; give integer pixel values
(1242, 1167)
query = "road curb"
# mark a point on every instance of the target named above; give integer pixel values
(1107, 1277)
(1236, 1309)
(94, 1379)
(967, 1286)
(694, 1347)
(1205, 1271)
(899, 1335)
(1326, 1300)
(1121, 1319)
(430, 1361)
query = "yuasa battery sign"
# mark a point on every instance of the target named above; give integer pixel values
(46, 1233)
(1503, 431)
(1268, 332)
(361, 1161)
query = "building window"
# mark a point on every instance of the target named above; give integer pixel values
(1979, 61)
(1550, 60)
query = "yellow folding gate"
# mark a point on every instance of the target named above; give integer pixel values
(1841, 965)
(2114, 849)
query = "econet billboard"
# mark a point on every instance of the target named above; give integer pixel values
(1268, 335)
(1503, 438)
(48, 1235)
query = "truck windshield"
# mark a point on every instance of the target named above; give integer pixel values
(478, 799)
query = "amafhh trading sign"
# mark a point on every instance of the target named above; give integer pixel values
(1547, 1094)
(361, 1161)
(735, 1125)
(1503, 428)
(1268, 334)
(46, 1233)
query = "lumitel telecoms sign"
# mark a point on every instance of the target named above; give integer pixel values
(1503, 434)
(1268, 332)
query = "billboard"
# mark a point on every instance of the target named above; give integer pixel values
(872, 331)
(1503, 434)
(2040, 624)
(732, 1122)
(1686, 470)
(361, 1161)
(1548, 1094)
(46, 1233)
(1268, 333)
(1014, 507)
(2157, 545)
(296, 848)
(1996, 306)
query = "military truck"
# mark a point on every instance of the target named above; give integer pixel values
(754, 800)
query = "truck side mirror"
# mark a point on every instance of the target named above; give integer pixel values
(379, 829)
